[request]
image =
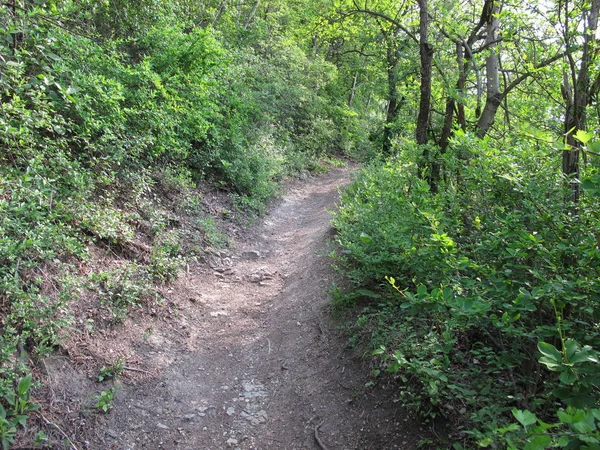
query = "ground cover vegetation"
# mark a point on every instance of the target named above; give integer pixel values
(116, 117)
(472, 245)
(469, 242)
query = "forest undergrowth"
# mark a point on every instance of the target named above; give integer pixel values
(482, 300)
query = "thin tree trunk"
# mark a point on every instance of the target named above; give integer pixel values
(251, 15)
(577, 100)
(426, 54)
(462, 82)
(353, 90)
(392, 109)
(493, 95)
(219, 12)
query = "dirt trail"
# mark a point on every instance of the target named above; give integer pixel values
(249, 359)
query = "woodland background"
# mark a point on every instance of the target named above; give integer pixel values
(469, 241)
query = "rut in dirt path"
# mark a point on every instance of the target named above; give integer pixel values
(254, 363)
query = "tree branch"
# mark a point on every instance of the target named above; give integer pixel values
(541, 65)
(379, 15)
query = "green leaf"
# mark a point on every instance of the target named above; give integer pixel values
(590, 186)
(379, 351)
(583, 136)
(571, 347)
(550, 352)
(524, 417)
(21, 419)
(584, 421)
(24, 385)
(368, 293)
(365, 238)
(485, 442)
(538, 442)
(569, 376)
(511, 427)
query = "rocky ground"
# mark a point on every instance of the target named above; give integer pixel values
(243, 354)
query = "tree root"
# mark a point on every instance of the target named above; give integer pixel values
(317, 438)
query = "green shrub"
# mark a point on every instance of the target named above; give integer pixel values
(477, 276)
(121, 287)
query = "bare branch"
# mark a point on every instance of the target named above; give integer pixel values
(387, 19)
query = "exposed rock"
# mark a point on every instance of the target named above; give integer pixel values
(251, 255)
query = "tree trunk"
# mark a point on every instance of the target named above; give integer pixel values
(578, 99)
(251, 15)
(353, 90)
(426, 54)
(219, 12)
(460, 87)
(492, 68)
(392, 109)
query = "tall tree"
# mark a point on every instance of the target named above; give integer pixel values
(577, 88)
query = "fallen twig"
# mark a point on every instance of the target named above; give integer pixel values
(73, 446)
(317, 438)
(269, 342)
(322, 330)
(133, 369)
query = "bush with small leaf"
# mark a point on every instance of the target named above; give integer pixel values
(15, 410)
(461, 293)
(104, 400)
(113, 370)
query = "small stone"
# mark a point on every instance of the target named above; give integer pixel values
(230, 411)
(227, 262)
(189, 416)
(252, 254)
(255, 278)
(214, 263)
(231, 442)
(219, 313)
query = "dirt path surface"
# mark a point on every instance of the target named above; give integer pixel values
(246, 356)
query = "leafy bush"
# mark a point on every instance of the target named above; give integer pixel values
(165, 259)
(19, 407)
(120, 288)
(477, 276)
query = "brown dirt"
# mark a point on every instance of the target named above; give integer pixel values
(243, 354)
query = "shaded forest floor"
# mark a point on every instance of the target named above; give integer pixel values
(243, 354)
